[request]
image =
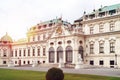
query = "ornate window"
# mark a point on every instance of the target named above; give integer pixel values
(112, 26)
(51, 55)
(101, 27)
(69, 54)
(33, 51)
(112, 47)
(91, 30)
(59, 53)
(15, 53)
(38, 51)
(28, 52)
(44, 51)
(101, 47)
(91, 48)
(101, 62)
(19, 52)
(24, 52)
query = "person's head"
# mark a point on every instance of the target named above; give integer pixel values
(54, 74)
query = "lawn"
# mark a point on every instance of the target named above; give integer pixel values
(8, 74)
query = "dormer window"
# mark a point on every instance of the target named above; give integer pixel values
(59, 42)
(51, 43)
(50, 24)
(44, 26)
(69, 41)
(111, 12)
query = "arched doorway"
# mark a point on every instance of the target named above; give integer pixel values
(69, 54)
(80, 51)
(51, 55)
(59, 53)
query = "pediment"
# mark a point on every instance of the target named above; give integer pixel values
(60, 31)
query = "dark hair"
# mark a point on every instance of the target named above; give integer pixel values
(54, 74)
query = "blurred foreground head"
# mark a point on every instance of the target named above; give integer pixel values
(54, 74)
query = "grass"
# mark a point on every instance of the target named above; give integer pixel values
(9, 74)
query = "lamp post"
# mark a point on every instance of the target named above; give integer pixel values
(115, 60)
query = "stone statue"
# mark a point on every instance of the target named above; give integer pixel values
(79, 63)
(61, 63)
(79, 58)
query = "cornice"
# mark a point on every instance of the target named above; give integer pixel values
(102, 34)
(101, 19)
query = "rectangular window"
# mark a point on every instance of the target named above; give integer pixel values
(24, 52)
(91, 62)
(33, 52)
(101, 62)
(15, 53)
(112, 47)
(28, 52)
(4, 62)
(11, 53)
(112, 25)
(91, 48)
(38, 52)
(101, 28)
(19, 52)
(101, 47)
(43, 51)
(91, 30)
(112, 62)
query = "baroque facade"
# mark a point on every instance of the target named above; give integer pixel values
(95, 36)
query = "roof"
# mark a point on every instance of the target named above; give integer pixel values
(107, 8)
(112, 7)
(54, 21)
(7, 38)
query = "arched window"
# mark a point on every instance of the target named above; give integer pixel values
(80, 51)
(69, 54)
(51, 55)
(59, 53)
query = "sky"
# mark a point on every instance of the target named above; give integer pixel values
(17, 16)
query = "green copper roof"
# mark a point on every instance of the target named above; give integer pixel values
(54, 21)
(108, 8)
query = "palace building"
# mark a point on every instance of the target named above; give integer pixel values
(95, 36)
